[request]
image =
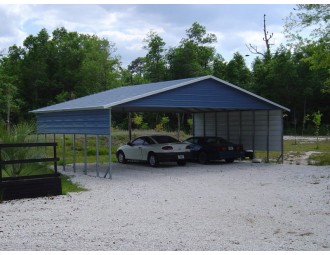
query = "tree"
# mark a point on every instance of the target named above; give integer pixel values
(314, 17)
(66, 65)
(219, 67)
(155, 58)
(237, 72)
(137, 70)
(194, 56)
(254, 49)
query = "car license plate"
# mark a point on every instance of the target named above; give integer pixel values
(230, 148)
(180, 156)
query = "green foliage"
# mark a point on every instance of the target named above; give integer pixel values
(161, 126)
(314, 18)
(155, 59)
(193, 57)
(51, 69)
(137, 120)
(237, 72)
(319, 159)
(18, 134)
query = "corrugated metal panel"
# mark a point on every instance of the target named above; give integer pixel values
(247, 130)
(258, 130)
(74, 122)
(222, 124)
(204, 95)
(261, 124)
(234, 127)
(275, 130)
(198, 124)
(210, 126)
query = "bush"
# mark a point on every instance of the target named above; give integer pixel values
(20, 133)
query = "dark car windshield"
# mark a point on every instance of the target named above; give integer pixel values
(165, 139)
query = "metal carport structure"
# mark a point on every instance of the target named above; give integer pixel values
(218, 108)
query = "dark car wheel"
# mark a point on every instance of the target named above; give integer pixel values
(229, 160)
(121, 157)
(202, 158)
(152, 160)
(181, 162)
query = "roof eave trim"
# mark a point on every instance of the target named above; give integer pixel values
(69, 109)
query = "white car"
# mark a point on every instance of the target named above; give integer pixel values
(154, 149)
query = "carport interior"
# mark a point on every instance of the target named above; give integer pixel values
(218, 108)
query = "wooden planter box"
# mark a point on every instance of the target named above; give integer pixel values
(30, 186)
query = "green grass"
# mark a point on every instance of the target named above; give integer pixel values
(297, 148)
(319, 159)
(68, 186)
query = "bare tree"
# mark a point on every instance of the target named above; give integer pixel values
(254, 49)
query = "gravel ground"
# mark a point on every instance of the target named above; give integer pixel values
(239, 206)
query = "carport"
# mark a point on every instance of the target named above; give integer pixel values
(218, 108)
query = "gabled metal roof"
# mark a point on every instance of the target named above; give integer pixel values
(121, 95)
(116, 96)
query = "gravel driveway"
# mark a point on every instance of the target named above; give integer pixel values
(239, 206)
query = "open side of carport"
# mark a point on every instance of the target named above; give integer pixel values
(218, 108)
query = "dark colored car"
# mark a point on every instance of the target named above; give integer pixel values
(207, 148)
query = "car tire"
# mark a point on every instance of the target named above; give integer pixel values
(121, 157)
(203, 158)
(152, 160)
(181, 162)
(229, 160)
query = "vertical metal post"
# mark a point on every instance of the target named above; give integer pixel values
(109, 150)
(97, 155)
(85, 154)
(0, 166)
(228, 134)
(55, 156)
(45, 142)
(193, 124)
(267, 136)
(74, 152)
(178, 134)
(216, 124)
(204, 124)
(240, 127)
(282, 126)
(110, 145)
(63, 151)
(38, 152)
(129, 126)
(254, 132)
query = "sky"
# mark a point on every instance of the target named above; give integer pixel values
(126, 25)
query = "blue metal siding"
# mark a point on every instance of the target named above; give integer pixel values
(203, 94)
(94, 122)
